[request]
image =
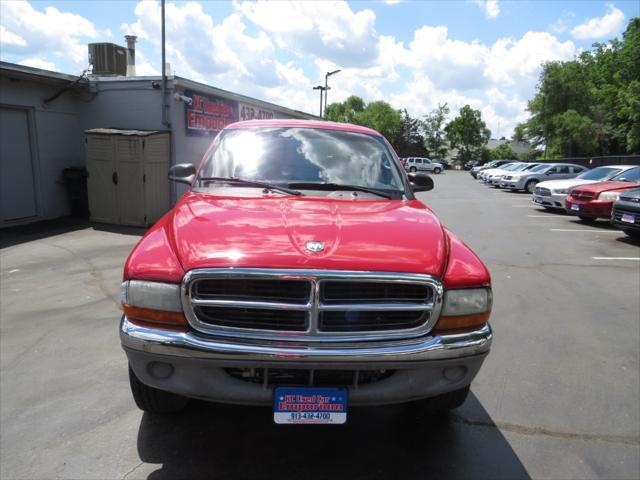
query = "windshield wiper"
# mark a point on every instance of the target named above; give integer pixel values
(340, 186)
(253, 183)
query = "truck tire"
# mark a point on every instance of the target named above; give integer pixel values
(443, 403)
(153, 400)
(437, 170)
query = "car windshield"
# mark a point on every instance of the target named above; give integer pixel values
(290, 155)
(600, 173)
(631, 175)
(540, 168)
(512, 167)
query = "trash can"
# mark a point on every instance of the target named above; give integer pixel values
(75, 180)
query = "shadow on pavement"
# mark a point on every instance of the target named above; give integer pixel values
(225, 441)
(11, 236)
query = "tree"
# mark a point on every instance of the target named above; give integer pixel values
(378, 115)
(590, 105)
(468, 133)
(502, 151)
(434, 135)
(409, 142)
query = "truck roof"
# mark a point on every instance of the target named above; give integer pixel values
(290, 122)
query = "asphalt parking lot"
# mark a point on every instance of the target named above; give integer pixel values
(557, 397)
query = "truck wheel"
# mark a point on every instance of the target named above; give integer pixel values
(153, 400)
(437, 170)
(445, 402)
(531, 186)
(412, 169)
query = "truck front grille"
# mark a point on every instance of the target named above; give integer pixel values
(316, 305)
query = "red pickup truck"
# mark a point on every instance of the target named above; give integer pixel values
(300, 271)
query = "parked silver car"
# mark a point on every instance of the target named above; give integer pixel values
(528, 180)
(415, 164)
(494, 178)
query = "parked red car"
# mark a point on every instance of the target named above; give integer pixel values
(596, 200)
(301, 271)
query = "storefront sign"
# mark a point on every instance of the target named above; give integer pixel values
(208, 114)
(249, 112)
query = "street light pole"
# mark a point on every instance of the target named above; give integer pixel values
(321, 88)
(327, 87)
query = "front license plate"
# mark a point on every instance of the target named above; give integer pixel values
(302, 405)
(537, 199)
(628, 217)
(575, 207)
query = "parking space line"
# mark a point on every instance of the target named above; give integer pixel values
(616, 258)
(584, 230)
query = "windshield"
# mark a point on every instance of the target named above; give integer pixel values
(512, 167)
(631, 175)
(540, 168)
(283, 156)
(600, 173)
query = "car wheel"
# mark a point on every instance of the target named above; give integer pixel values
(586, 219)
(531, 186)
(442, 403)
(413, 169)
(632, 233)
(153, 400)
(437, 170)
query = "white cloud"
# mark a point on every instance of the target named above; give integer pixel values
(601, 27)
(328, 30)
(9, 38)
(43, 33)
(38, 63)
(491, 7)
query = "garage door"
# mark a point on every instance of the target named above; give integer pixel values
(17, 194)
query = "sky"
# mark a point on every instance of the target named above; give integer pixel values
(412, 54)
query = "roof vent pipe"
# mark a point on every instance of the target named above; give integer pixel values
(131, 55)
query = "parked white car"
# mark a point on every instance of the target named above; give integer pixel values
(551, 193)
(421, 164)
(493, 179)
(490, 171)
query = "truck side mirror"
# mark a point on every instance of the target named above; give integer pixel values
(182, 173)
(420, 182)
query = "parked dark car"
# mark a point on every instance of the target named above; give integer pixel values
(471, 163)
(626, 213)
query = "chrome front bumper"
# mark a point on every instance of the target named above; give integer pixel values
(194, 366)
(189, 344)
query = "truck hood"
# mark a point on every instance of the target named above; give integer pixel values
(273, 231)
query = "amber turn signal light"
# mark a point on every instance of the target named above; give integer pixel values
(461, 323)
(149, 315)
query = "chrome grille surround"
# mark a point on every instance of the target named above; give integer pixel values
(314, 306)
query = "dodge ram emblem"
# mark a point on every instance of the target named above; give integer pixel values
(315, 246)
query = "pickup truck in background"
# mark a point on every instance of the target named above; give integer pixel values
(301, 271)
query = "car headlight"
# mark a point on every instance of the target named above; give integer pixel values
(152, 302)
(609, 196)
(465, 309)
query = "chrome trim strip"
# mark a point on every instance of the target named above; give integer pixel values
(314, 305)
(191, 345)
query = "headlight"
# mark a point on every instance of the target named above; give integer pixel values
(152, 302)
(464, 309)
(609, 196)
(466, 301)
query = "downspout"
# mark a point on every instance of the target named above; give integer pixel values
(165, 120)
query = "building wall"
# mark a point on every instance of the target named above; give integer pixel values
(56, 136)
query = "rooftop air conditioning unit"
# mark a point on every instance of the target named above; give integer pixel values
(108, 59)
